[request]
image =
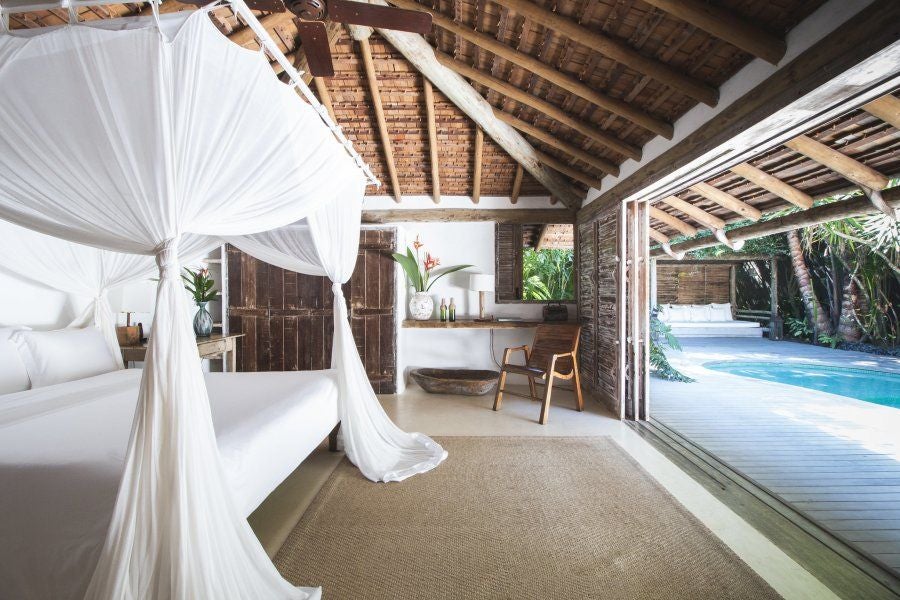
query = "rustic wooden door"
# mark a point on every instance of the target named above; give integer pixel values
(286, 317)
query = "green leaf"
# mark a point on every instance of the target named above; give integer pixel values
(447, 271)
(410, 267)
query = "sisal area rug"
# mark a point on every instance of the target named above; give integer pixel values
(512, 518)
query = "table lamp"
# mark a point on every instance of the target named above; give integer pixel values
(481, 283)
(135, 297)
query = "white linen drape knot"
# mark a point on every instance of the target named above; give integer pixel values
(167, 259)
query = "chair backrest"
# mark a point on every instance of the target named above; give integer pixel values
(554, 339)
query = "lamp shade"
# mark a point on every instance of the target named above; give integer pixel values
(136, 297)
(481, 282)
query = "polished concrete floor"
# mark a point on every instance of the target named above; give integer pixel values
(445, 415)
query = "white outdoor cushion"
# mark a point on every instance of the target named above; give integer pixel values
(64, 355)
(663, 312)
(720, 312)
(13, 375)
(678, 313)
(698, 313)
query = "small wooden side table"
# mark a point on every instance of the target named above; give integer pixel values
(214, 346)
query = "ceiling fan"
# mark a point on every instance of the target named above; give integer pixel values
(312, 14)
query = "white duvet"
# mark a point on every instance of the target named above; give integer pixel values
(62, 448)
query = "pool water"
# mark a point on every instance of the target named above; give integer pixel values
(879, 387)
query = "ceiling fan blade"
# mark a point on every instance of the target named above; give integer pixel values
(265, 5)
(314, 43)
(361, 13)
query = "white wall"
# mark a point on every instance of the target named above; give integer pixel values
(456, 243)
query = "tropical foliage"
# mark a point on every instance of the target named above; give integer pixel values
(548, 274)
(421, 272)
(661, 337)
(200, 285)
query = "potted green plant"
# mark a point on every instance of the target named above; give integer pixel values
(422, 275)
(200, 285)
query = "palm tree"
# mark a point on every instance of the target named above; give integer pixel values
(814, 311)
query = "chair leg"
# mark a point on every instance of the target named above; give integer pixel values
(578, 398)
(498, 397)
(534, 395)
(545, 407)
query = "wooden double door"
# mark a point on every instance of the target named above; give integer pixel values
(287, 319)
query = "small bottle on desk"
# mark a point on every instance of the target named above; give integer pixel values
(452, 311)
(443, 309)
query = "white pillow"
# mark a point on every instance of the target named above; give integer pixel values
(13, 375)
(720, 312)
(64, 355)
(662, 313)
(677, 313)
(699, 313)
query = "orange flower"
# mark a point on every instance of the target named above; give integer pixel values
(417, 244)
(431, 262)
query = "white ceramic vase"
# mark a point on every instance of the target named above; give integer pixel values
(421, 306)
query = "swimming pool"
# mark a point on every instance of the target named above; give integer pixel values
(878, 387)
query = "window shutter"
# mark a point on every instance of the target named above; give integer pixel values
(508, 261)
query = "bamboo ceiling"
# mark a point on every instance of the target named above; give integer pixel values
(674, 45)
(868, 136)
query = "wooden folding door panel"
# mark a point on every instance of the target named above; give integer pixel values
(634, 310)
(286, 317)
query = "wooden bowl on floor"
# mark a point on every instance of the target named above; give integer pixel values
(465, 382)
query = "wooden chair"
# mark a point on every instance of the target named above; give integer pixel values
(553, 355)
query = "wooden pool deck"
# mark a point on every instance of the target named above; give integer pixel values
(833, 458)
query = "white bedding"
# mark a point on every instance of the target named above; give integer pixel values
(62, 448)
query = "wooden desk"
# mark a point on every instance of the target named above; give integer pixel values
(213, 346)
(472, 324)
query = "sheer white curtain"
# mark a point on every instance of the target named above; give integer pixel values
(82, 270)
(127, 140)
(326, 243)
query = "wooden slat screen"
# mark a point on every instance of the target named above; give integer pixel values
(679, 283)
(508, 261)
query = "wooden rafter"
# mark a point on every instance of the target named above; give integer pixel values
(614, 49)
(726, 26)
(324, 96)
(570, 171)
(551, 74)
(886, 108)
(383, 131)
(517, 185)
(673, 221)
(845, 166)
(726, 200)
(421, 55)
(695, 212)
(551, 140)
(771, 183)
(498, 215)
(476, 167)
(550, 110)
(432, 142)
(825, 213)
(657, 236)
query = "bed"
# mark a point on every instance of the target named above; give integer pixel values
(706, 320)
(62, 449)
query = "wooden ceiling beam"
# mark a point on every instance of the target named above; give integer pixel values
(517, 185)
(570, 171)
(476, 167)
(527, 216)
(886, 108)
(614, 49)
(536, 66)
(245, 35)
(324, 96)
(384, 133)
(658, 236)
(551, 140)
(420, 54)
(825, 213)
(673, 221)
(772, 184)
(696, 213)
(528, 99)
(845, 166)
(432, 142)
(726, 200)
(726, 26)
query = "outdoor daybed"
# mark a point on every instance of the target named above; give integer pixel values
(706, 320)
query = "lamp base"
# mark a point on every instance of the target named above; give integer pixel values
(486, 318)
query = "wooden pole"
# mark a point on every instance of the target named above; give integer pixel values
(528, 99)
(673, 221)
(616, 50)
(696, 213)
(418, 52)
(854, 207)
(543, 70)
(726, 26)
(553, 141)
(476, 170)
(558, 165)
(324, 96)
(843, 165)
(726, 200)
(886, 108)
(517, 185)
(383, 131)
(773, 184)
(432, 142)
(450, 215)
